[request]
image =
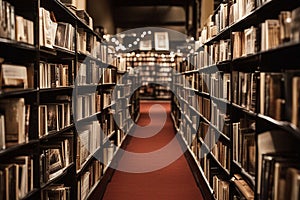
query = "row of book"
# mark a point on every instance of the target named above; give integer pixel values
(244, 144)
(53, 33)
(278, 95)
(267, 35)
(55, 158)
(88, 44)
(149, 58)
(15, 77)
(244, 89)
(186, 130)
(221, 188)
(108, 153)
(88, 142)
(55, 75)
(14, 122)
(87, 105)
(121, 118)
(278, 165)
(62, 35)
(280, 176)
(19, 77)
(57, 191)
(108, 124)
(93, 74)
(13, 26)
(89, 179)
(243, 187)
(226, 15)
(217, 85)
(53, 117)
(16, 177)
(222, 154)
(107, 99)
(219, 118)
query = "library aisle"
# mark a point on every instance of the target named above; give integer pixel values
(174, 181)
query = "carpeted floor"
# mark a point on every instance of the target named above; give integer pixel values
(172, 182)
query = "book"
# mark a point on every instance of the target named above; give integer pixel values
(47, 28)
(242, 185)
(14, 111)
(221, 188)
(270, 38)
(2, 132)
(295, 101)
(273, 141)
(272, 95)
(295, 24)
(285, 23)
(13, 77)
(55, 158)
(292, 184)
(4, 28)
(57, 191)
(64, 37)
(274, 170)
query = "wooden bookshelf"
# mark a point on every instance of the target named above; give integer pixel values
(36, 147)
(253, 122)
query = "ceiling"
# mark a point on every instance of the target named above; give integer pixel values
(179, 15)
(118, 16)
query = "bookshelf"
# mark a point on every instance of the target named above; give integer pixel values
(50, 124)
(154, 70)
(243, 73)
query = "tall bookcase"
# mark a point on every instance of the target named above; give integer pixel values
(243, 76)
(154, 69)
(53, 150)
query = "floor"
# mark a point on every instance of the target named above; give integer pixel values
(153, 168)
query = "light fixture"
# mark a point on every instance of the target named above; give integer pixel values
(149, 32)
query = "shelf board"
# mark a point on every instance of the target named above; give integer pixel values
(122, 72)
(200, 139)
(249, 178)
(53, 134)
(17, 92)
(203, 94)
(191, 72)
(19, 149)
(61, 173)
(89, 118)
(57, 53)
(284, 125)
(225, 171)
(244, 110)
(57, 89)
(86, 56)
(93, 188)
(4, 42)
(30, 194)
(256, 16)
(64, 52)
(190, 89)
(108, 137)
(86, 163)
(220, 100)
(200, 168)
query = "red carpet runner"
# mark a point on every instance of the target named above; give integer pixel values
(173, 182)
